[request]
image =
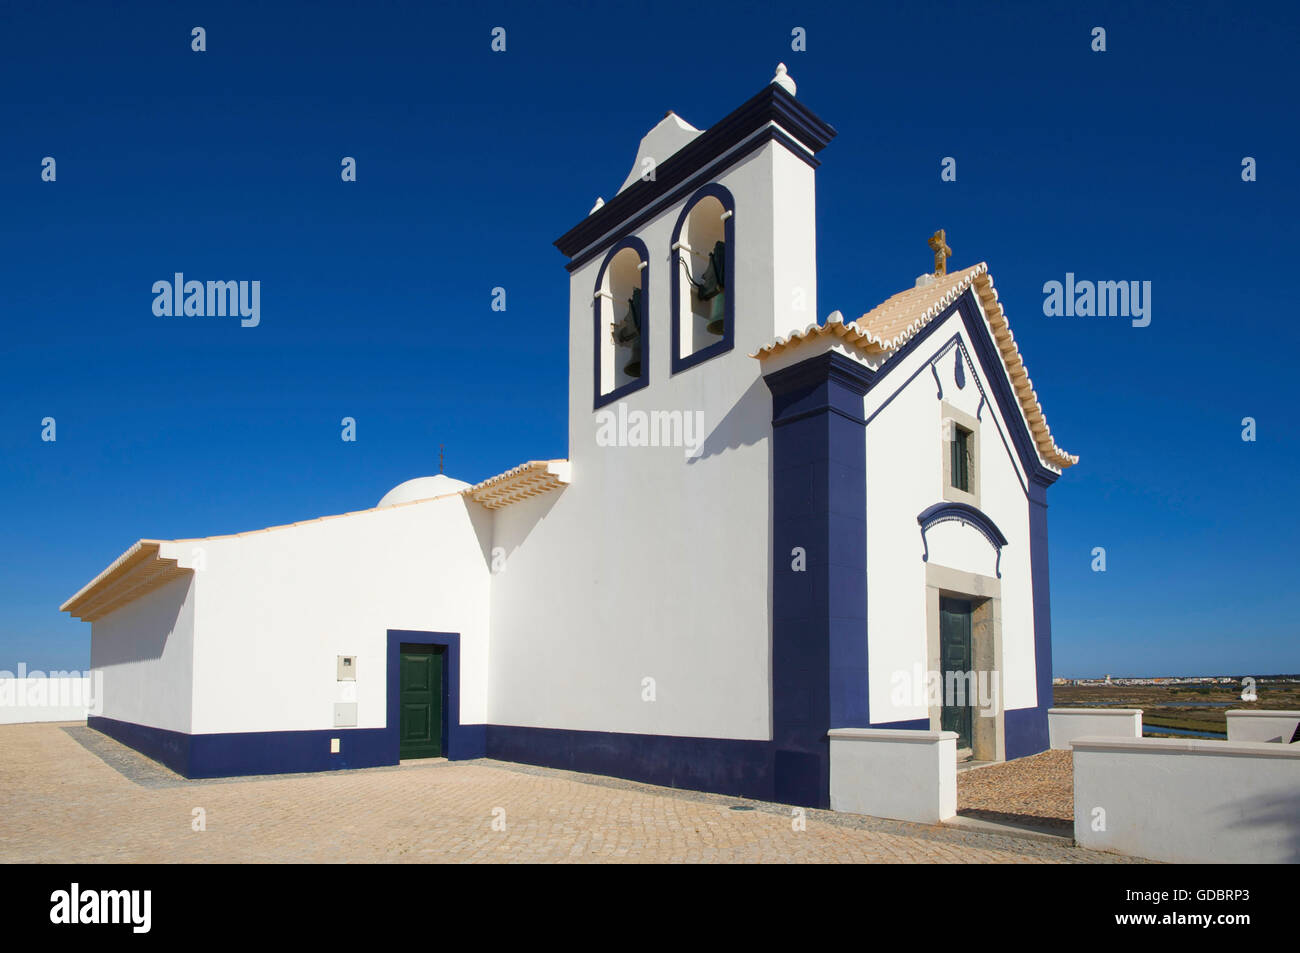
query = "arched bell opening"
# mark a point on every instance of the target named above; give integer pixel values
(621, 325)
(703, 259)
(703, 256)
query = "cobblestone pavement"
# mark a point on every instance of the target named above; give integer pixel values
(69, 794)
(1036, 790)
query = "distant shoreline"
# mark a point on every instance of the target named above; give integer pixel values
(1182, 709)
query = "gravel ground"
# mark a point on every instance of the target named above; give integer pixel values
(1037, 790)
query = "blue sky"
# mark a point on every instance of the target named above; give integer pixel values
(1122, 165)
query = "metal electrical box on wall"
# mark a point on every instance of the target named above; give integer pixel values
(345, 714)
(347, 668)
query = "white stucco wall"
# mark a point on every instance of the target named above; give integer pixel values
(1188, 801)
(276, 609)
(905, 475)
(144, 652)
(905, 775)
(650, 565)
(1256, 725)
(1066, 724)
(56, 698)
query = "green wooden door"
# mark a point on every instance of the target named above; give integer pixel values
(421, 701)
(955, 658)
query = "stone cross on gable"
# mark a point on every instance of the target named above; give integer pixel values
(939, 242)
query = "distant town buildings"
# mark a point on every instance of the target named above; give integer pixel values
(1170, 680)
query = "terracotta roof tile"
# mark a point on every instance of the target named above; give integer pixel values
(895, 321)
(524, 481)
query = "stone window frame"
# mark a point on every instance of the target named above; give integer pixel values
(950, 415)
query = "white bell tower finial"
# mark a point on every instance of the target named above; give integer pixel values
(783, 79)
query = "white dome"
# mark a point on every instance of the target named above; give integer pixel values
(422, 488)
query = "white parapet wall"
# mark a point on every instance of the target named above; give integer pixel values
(1066, 724)
(1188, 801)
(32, 699)
(1257, 725)
(906, 775)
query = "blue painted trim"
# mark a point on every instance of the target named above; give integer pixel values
(826, 382)
(796, 127)
(992, 370)
(1025, 731)
(954, 341)
(708, 174)
(243, 753)
(459, 742)
(995, 373)
(728, 201)
(720, 765)
(1029, 733)
(283, 752)
(916, 724)
(949, 510)
(171, 748)
(600, 400)
(819, 616)
(964, 513)
(1002, 435)
(929, 363)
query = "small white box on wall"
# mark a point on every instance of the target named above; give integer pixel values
(347, 668)
(345, 714)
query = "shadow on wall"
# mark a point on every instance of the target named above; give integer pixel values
(745, 424)
(1279, 814)
(139, 631)
(480, 519)
(539, 510)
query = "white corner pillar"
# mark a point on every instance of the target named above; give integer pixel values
(902, 774)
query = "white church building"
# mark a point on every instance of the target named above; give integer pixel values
(764, 530)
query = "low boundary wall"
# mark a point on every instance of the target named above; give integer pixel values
(31, 699)
(1256, 725)
(1188, 801)
(904, 774)
(1066, 724)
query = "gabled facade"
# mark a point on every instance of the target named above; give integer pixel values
(758, 535)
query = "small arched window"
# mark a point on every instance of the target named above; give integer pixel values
(703, 256)
(621, 326)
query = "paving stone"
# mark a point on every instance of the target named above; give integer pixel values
(69, 794)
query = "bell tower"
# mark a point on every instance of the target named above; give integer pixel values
(656, 559)
(706, 253)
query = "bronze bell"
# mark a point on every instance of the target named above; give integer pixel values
(717, 313)
(713, 288)
(627, 333)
